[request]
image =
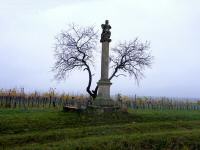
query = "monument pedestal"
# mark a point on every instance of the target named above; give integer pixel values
(104, 89)
(103, 102)
(101, 105)
(101, 109)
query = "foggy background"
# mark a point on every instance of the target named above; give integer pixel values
(28, 30)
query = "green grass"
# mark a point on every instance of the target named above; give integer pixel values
(138, 129)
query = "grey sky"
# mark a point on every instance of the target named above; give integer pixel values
(28, 29)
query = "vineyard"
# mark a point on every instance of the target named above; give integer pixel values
(19, 99)
(162, 103)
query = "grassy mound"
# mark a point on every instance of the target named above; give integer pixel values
(138, 129)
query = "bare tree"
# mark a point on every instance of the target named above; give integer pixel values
(74, 50)
(130, 58)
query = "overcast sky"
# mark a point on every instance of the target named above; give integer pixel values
(28, 28)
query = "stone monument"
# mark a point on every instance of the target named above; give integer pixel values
(104, 83)
(103, 102)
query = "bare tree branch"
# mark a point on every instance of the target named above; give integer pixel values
(132, 58)
(73, 50)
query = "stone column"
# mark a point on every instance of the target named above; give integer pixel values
(104, 83)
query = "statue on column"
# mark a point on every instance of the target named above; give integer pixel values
(105, 35)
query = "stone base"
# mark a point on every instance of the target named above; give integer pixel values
(101, 105)
(104, 88)
(103, 102)
(98, 109)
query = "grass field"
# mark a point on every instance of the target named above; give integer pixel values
(137, 129)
